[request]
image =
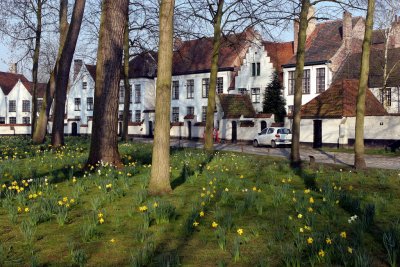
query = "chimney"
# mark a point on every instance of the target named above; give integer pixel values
(395, 33)
(347, 30)
(177, 43)
(13, 68)
(310, 28)
(77, 67)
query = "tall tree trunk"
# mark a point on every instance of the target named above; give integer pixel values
(104, 141)
(64, 66)
(38, 34)
(208, 135)
(41, 124)
(295, 159)
(128, 95)
(359, 161)
(159, 179)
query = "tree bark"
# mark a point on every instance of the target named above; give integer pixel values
(38, 36)
(127, 100)
(359, 161)
(104, 141)
(41, 124)
(64, 67)
(159, 179)
(295, 159)
(208, 135)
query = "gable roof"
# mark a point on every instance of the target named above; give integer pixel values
(40, 90)
(234, 106)
(279, 53)
(340, 101)
(143, 65)
(351, 68)
(324, 41)
(8, 80)
(92, 70)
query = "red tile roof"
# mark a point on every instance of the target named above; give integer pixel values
(340, 101)
(279, 53)
(41, 88)
(235, 106)
(9, 80)
(92, 70)
(143, 65)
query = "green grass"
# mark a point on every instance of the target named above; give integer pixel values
(368, 151)
(111, 221)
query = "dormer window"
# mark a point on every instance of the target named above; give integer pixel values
(255, 69)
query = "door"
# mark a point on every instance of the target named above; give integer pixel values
(317, 142)
(74, 131)
(234, 131)
(189, 124)
(263, 125)
(150, 129)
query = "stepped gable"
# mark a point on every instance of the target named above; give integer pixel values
(8, 80)
(340, 101)
(143, 65)
(279, 53)
(234, 106)
(351, 68)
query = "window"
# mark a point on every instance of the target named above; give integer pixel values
(255, 69)
(175, 114)
(190, 88)
(203, 113)
(242, 91)
(13, 120)
(220, 85)
(306, 82)
(121, 94)
(84, 85)
(89, 103)
(386, 96)
(26, 120)
(12, 106)
(77, 102)
(2, 120)
(291, 83)
(320, 80)
(138, 93)
(290, 109)
(175, 90)
(190, 111)
(205, 85)
(26, 106)
(255, 95)
(138, 116)
(39, 104)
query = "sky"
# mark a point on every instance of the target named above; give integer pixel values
(3, 58)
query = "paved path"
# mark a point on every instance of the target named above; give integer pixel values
(372, 161)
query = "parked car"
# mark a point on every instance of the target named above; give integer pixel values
(273, 136)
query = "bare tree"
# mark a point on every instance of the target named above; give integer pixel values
(127, 87)
(104, 141)
(159, 179)
(359, 161)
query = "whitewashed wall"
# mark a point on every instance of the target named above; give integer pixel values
(18, 93)
(395, 96)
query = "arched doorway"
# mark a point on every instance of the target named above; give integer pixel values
(189, 124)
(150, 129)
(234, 131)
(74, 131)
(263, 125)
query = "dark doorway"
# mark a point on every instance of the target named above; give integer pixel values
(150, 129)
(263, 125)
(189, 130)
(317, 134)
(234, 131)
(74, 131)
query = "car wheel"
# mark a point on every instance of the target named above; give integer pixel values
(255, 143)
(273, 144)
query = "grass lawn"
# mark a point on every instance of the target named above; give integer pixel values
(368, 151)
(226, 209)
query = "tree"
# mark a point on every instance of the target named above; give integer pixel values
(159, 179)
(64, 66)
(104, 141)
(359, 161)
(127, 87)
(273, 100)
(41, 125)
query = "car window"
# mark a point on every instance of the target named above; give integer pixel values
(263, 131)
(270, 130)
(284, 131)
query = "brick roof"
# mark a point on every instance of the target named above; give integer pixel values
(351, 68)
(235, 106)
(324, 41)
(9, 80)
(340, 101)
(92, 70)
(143, 65)
(41, 88)
(279, 53)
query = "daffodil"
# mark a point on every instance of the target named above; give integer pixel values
(101, 220)
(343, 235)
(300, 216)
(310, 240)
(214, 225)
(240, 231)
(143, 208)
(201, 213)
(321, 253)
(195, 224)
(350, 250)
(311, 200)
(155, 204)
(26, 209)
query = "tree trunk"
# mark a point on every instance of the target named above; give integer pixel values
(295, 159)
(64, 67)
(359, 161)
(128, 95)
(41, 124)
(38, 34)
(104, 141)
(159, 179)
(208, 135)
